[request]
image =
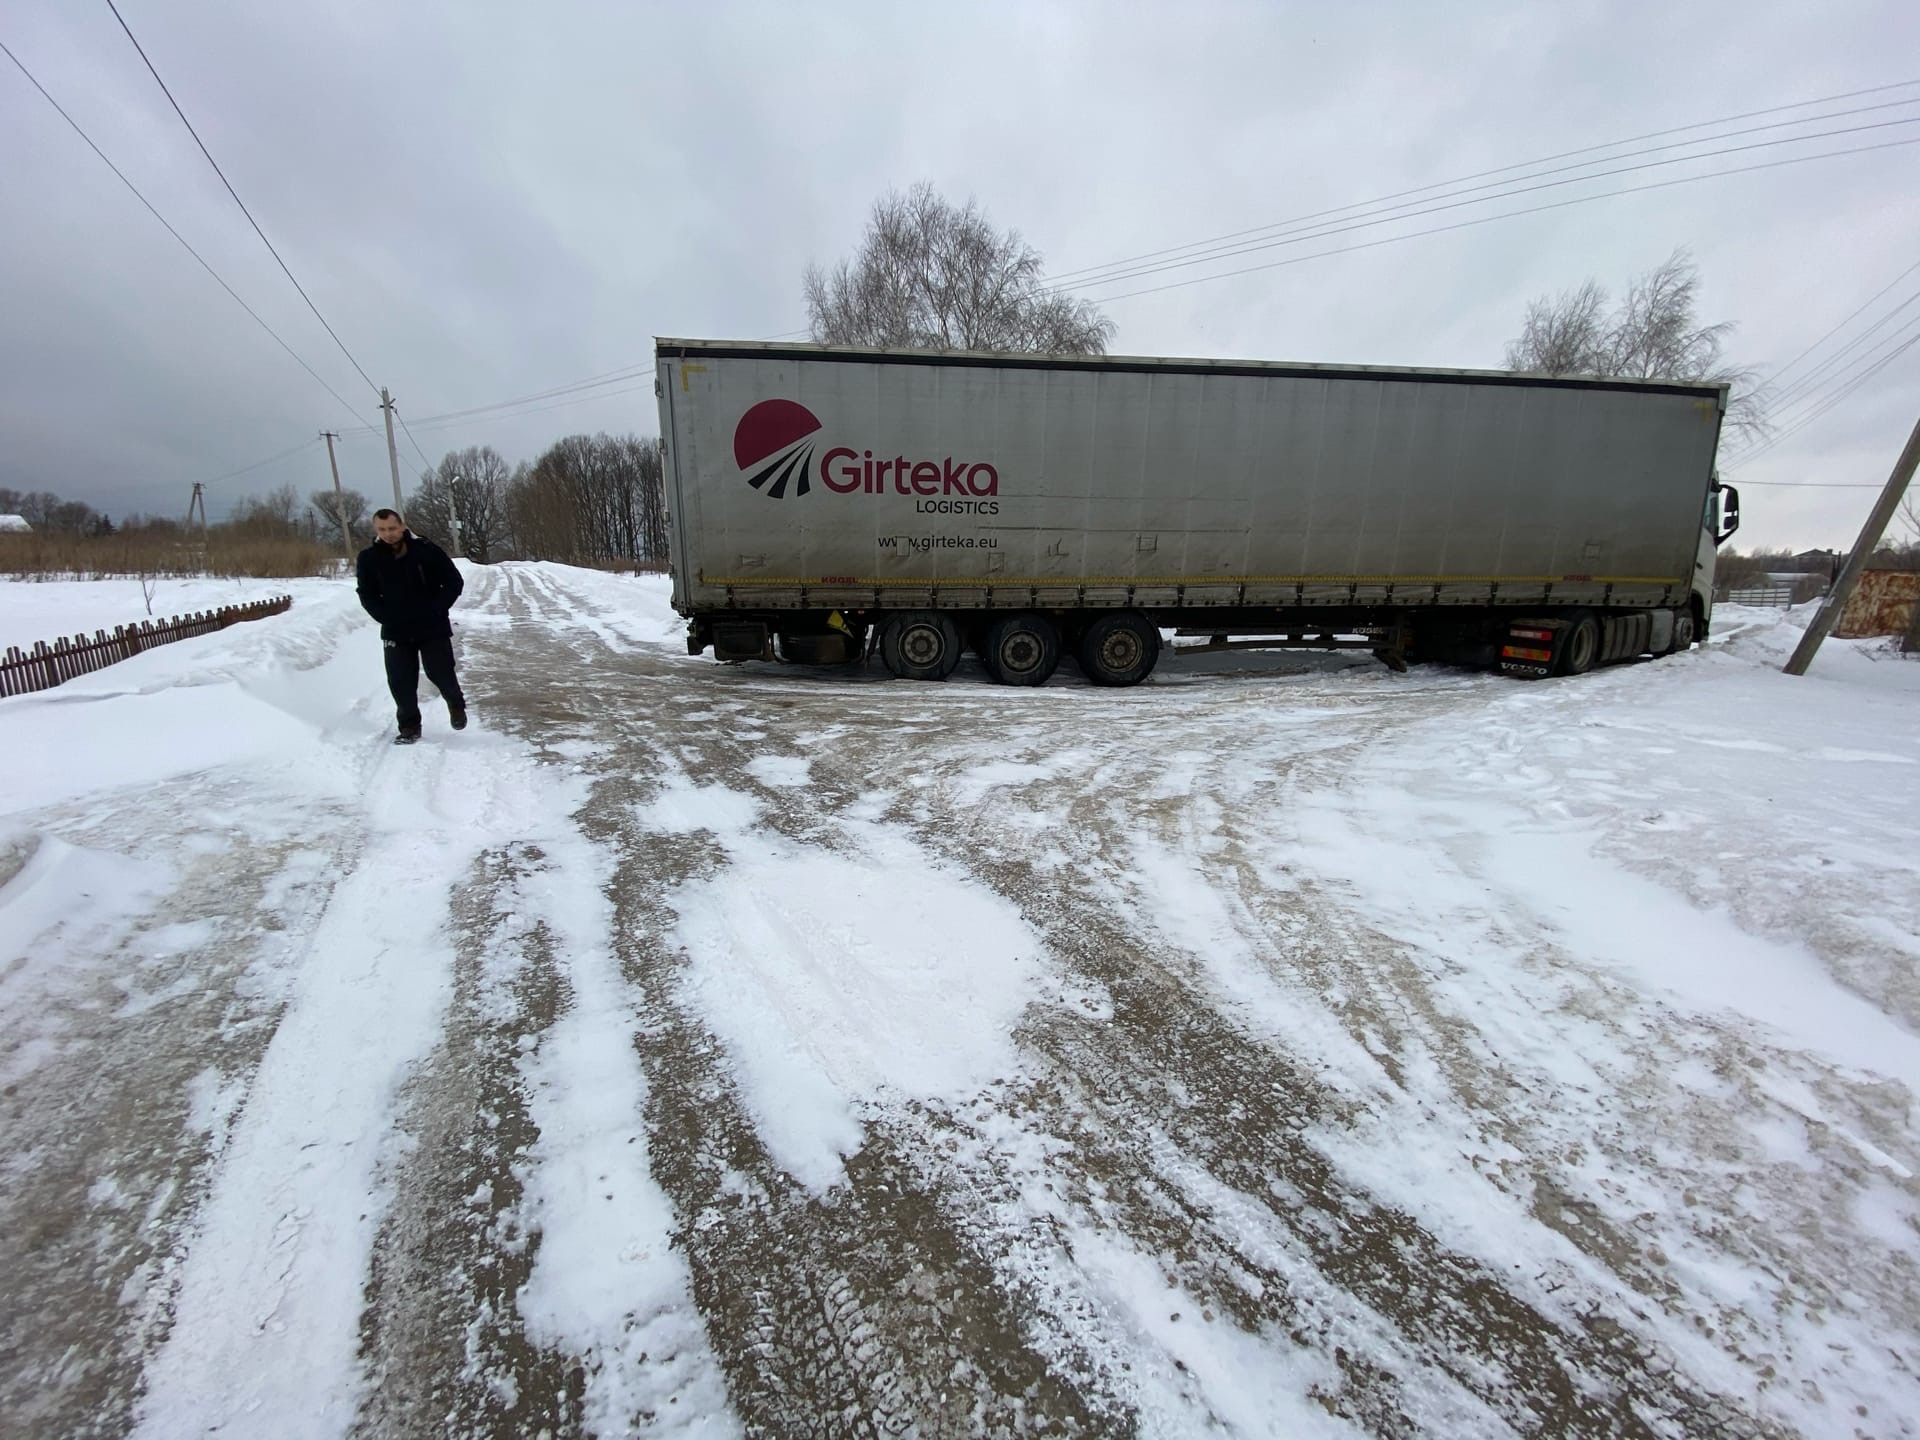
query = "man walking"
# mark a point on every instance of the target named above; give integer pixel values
(408, 585)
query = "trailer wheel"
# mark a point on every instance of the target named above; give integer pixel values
(920, 645)
(1022, 649)
(1119, 649)
(1580, 646)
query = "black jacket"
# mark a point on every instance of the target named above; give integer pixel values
(409, 594)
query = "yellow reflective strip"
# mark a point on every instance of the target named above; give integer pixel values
(1055, 582)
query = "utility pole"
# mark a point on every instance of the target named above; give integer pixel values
(339, 499)
(198, 505)
(453, 510)
(393, 454)
(1863, 548)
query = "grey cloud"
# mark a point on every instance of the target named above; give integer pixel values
(490, 200)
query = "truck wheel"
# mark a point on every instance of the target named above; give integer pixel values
(920, 645)
(1022, 649)
(1580, 646)
(1685, 631)
(1119, 649)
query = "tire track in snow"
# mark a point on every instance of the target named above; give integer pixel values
(1160, 1068)
(270, 1298)
(112, 1132)
(858, 1313)
(1234, 1111)
(444, 1343)
(524, 1279)
(1175, 1136)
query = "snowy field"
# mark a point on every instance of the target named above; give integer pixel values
(49, 610)
(1283, 1048)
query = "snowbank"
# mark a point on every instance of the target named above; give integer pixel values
(49, 610)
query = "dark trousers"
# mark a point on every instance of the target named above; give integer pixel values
(404, 659)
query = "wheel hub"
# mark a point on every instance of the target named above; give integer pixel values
(921, 645)
(1019, 654)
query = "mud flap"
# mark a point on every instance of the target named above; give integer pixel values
(1529, 648)
(742, 640)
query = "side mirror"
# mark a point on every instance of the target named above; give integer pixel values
(1729, 514)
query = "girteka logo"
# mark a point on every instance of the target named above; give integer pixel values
(773, 446)
(776, 432)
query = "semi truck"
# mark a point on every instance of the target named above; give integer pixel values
(826, 503)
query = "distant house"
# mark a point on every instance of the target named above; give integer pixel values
(14, 525)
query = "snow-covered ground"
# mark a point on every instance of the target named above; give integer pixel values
(49, 610)
(1286, 1047)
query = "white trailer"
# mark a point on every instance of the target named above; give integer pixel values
(1035, 506)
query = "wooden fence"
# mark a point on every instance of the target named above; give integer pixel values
(46, 666)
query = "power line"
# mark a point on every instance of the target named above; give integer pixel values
(1814, 484)
(1507, 215)
(236, 197)
(1325, 232)
(262, 464)
(1768, 382)
(1480, 175)
(1816, 386)
(612, 377)
(594, 382)
(1815, 379)
(61, 110)
(1822, 388)
(410, 440)
(1382, 210)
(1843, 388)
(616, 377)
(534, 410)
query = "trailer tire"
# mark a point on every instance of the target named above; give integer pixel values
(1119, 649)
(920, 645)
(1580, 646)
(1022, 649)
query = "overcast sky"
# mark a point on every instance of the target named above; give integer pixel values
(492, 200)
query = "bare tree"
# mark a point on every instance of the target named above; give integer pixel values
(1653, 334)
(34, 506)
(930, 275)
(276, 513)
(326, 512)
(1563, 334)
(540, 507)
(70, 517)
(484, 473)
(481, 474)
(591, 500)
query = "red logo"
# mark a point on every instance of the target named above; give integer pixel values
(774, 443)
(773, 436)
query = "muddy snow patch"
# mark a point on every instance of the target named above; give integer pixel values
(785, 772)
(683, 807)
(837, 982)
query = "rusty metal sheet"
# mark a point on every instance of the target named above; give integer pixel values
(1882, 604)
